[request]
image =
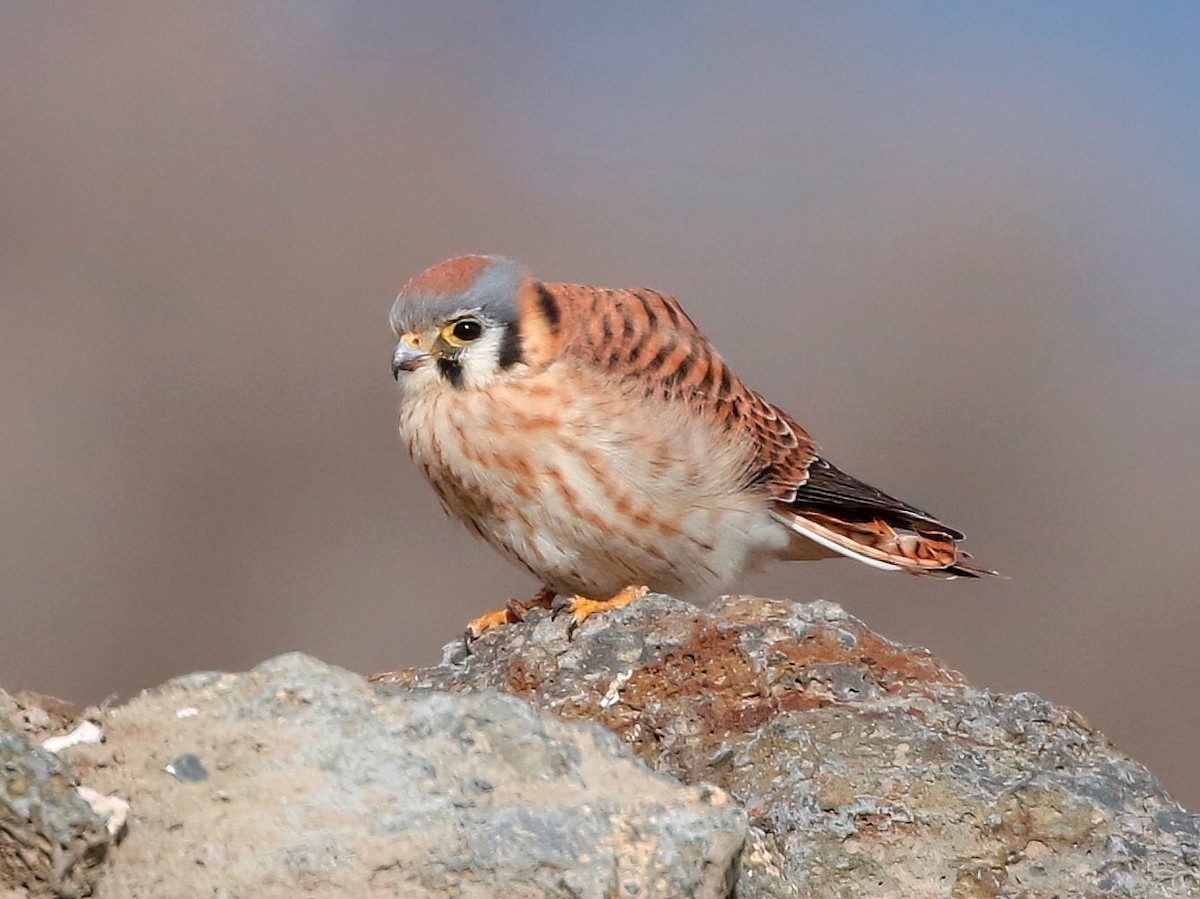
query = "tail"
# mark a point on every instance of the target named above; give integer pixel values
(913, 547)
(856, 520)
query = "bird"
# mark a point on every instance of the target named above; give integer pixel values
(596, 437)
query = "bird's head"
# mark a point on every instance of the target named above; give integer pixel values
(459, 323)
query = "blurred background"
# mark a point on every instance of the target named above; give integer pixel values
(957, 241)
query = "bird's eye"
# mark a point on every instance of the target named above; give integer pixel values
(466, 330)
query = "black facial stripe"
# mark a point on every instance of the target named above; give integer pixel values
(510, 345)
(451, 371)
(549, 307)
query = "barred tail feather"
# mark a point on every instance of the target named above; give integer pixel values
(912, 546)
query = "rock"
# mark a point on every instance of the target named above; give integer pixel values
(797, 754)
(867, 768)
(51, 839)
(298, 778)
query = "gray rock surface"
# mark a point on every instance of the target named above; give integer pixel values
(51, 840)
(844, 766)
(867, 768)
(298, 778)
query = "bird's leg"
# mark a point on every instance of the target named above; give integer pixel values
(512, 612)
(582, 608)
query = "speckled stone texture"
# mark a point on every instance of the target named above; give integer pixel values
(797, 754)
(299, 779)
(867, 768)
(51, 840)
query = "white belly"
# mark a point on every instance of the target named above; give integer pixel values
(595, 493)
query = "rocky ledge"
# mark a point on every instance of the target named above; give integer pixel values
(755, 748)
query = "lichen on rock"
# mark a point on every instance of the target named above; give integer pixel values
(753, 748)
(867, 768)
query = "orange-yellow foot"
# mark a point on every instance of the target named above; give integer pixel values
(512, 612)
(582, 608)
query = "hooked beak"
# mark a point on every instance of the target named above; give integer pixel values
(407, 357)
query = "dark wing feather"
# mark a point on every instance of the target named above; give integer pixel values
(646, 337)
(830, 488)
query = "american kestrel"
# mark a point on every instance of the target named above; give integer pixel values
(598, 438)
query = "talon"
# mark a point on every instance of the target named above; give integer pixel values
(517, 610)
(477, 627)
(582, 608)
(561, 604)
(513, 612)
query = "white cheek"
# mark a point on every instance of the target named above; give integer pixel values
(481, 360)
